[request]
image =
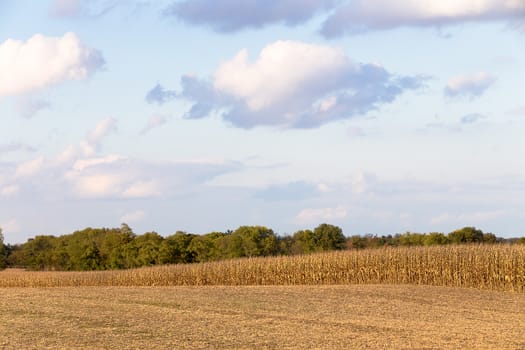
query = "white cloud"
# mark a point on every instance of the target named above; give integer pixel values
(134, 216)
(293, 85)
(93, 140)
(316, 214)
(118, 177)
(142, 189)
(470, 85)
(362, 15)
(102, 185)
(30, 167)
(90, 145)
(82, 164)
(102, 129)
(43, 61)
(154, 122)
(287, 65)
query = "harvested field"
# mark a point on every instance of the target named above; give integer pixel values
(261, 317)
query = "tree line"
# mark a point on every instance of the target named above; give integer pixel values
(121, 248)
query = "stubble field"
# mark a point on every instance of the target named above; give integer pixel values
(261, 317)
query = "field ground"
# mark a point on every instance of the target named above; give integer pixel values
(261, 317)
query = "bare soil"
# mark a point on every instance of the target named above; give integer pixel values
(284, 317)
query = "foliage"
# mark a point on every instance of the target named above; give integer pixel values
(121, 248)
(466, 235)
(323, 238)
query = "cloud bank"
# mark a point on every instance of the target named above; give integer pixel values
(346, 17)
(83, 172)
(42, 61)
(233, 15)
(292, 85)
(362, 15)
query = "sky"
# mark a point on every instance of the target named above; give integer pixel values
(379, 116)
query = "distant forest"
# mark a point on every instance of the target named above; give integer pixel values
(121, 248)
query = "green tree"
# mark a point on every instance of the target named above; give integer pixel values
(435, 238)
(411, 239)
(38, 252)
(208, 247)
(356, 242)
(149, 245)
(466, 235)
(324, 237)
(249, 241)
(489, 238)
(329, 237)
(304, 242)
(174, 249)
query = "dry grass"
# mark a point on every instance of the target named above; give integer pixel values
(488, 267)
(261, 317)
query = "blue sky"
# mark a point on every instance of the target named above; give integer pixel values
(199, 115)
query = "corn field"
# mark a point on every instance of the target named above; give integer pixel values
(490, 267)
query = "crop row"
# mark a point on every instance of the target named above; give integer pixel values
(491, 267)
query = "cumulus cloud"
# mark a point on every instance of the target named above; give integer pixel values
(293, 85)
(158, 94)
(470, 85)
(28, 107)
(362, 15)
(310, 215)
(232, 15)
(42, 61)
